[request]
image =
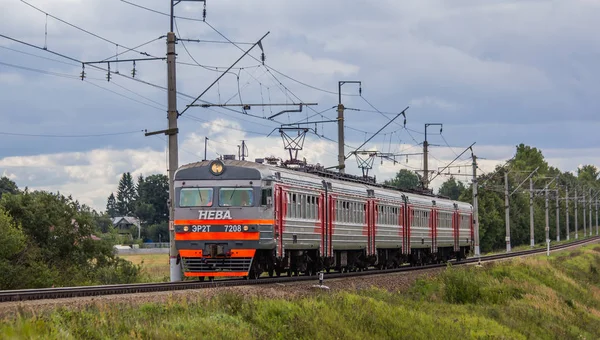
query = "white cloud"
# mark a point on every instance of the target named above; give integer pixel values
(92, 176)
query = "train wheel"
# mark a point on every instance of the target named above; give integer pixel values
(201, 278)
(254, 274)
(271, 272)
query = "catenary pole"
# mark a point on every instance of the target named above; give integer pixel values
(547, 217)
(584, 215)
(340, 117)
(567, 209)
(507, 211)
(531, 225)
(557, 216)
(175, 269)
(576, 213)
(590, 210)
(475, 207)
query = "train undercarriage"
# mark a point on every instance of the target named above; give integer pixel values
(309, 262)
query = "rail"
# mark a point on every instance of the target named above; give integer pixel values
(86, 291)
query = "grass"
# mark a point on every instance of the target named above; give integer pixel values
(533, 298)
(155, 267)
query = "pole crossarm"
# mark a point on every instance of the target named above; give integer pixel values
(454, 160)
(223, 74)
(122, 60)
(274, 104)
(403, 113)
(308, 123)
(525, 180)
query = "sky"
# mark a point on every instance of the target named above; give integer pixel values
(495, 73)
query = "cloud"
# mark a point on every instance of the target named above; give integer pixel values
(91, 176)
(498, 73)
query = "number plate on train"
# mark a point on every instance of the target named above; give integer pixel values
(206, 228)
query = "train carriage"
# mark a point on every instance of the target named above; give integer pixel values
(241, 218)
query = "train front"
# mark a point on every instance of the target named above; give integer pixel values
(217, 218)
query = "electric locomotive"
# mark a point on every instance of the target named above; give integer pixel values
(242, 218)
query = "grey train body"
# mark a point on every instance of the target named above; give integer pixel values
(298, 221)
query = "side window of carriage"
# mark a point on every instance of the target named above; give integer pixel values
(266, 197)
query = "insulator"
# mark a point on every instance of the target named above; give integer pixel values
(133, 71)
(262, 58)
(82, 71)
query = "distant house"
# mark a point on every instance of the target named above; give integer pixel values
(125, 224)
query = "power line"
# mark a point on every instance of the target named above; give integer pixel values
(56, 74)
(82, 29)
(39, 56)
(71, 136)
(231, 42)
(159, 12)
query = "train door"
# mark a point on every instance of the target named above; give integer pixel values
(327, 211)
(433, 224)
(455, 229)
(280, 207)
(371, 218)
(408, 219)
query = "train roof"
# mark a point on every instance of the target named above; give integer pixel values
(268, 171)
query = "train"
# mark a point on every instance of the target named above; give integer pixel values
(240, 218)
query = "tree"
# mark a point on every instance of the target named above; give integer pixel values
(405, 179)
(153, 193)
(8, 186)
(111, 206)
(452, 188)
(587, 174)
(126, 195)
(60, 247)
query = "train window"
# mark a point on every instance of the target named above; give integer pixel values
(196, 197)
(266, 196)
(236, 197)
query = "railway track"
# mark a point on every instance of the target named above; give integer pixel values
(86, 291)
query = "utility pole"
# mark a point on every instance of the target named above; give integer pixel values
(507, 211)
(596, 216)
(175, 268)
(584, 215)
(531, 226)
(340, 110)
(557, 217)
(172, 131)
(590, 209)
(576, 234)
(242, 153)
(547, 217)
(475, 207)
(567, 208)
(205, 144)
(425, 156)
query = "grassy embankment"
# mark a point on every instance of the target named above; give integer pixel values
(155, 267)
(532, 298)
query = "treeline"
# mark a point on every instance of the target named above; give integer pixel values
(50, 240)
(145, 200)
(492, 228)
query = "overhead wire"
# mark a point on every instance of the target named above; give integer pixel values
(70, 136)
(228, 41)
(39, 56)
(131, 78)
(82, 29)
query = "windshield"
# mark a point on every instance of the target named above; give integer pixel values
(196, 197)
(236, 197)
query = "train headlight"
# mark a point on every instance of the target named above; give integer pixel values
(185, 228)
(245, 228)
(217, 167)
